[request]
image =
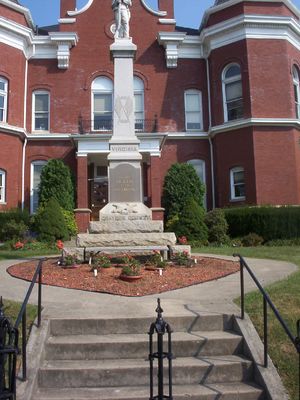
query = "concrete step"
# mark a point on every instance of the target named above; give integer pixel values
(142, 226)
(224, 391)
(96, 347)
(203, 322)
(133, 372)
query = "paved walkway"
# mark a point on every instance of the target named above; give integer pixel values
(211, 296)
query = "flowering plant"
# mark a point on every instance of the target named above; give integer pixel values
(18, 245)
(132, 267)
(182, 240)
(183, 258)
(102, 261)
(59, 244)
(157, 259)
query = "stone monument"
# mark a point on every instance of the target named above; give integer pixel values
(125, 220)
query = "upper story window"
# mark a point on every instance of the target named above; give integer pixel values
(139, 114)
(41, 111)
(232, 92)
(237, 183)
(3, 99)
(2, 186)
(296, 84)
(193, 110)
(102, 101)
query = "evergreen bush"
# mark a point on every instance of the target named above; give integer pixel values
(70, 221)
(181, 183)
(252, 240)
(268, 222)
(190, 222)
(56, 182)
(50, 224)
(13, 224)
(217, 226)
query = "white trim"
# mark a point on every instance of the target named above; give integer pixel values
(4, 94)
(21, 9)
(167, 21)
(12, 129)
(66, 20)
(81, 10)
(296, 87)
(199, 112)
(233, 197)
(157, 13)
(49, 136)
(32, 165)
(3, 174)
(34, 93)
(225, 81)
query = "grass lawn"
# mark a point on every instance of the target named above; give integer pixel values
(286, 297)
(17, 254)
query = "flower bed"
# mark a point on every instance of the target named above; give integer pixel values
(173, 277)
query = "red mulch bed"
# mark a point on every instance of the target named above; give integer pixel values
(107, 281)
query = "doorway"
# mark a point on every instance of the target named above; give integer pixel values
(98, 181)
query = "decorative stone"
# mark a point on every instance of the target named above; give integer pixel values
(180, 249)
(127, 226)
(130, 211)
(123, 239)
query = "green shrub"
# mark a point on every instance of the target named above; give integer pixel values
(14, 230)
(190, 222)
(13, 224)
(217, 226)
(181, 183)
(70, 222)
(252, 240)
(283, 242)
(50, 223)
(56, 182)
(268, 222)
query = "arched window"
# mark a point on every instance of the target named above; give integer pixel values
(102, 101)
(199, 166)
(35, 179)
(193, 110)
(237, 183)
(232, 92)
(296, 84)
(139, 114)
(2, 186)
(3, 99)
(41, 111)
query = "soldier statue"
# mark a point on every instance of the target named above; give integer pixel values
(121, 9)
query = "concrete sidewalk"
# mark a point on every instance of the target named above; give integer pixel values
(210, 296)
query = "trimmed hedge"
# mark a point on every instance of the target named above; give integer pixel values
(269, 222)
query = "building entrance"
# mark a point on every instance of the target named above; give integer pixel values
(98, 190)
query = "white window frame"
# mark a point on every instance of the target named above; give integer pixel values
(97, 89)
(37, 92)
(233, 185)
(296, 85)
(195, 162)
(187, 112)
(226, 81)
(33, 190)
(138, 87)
(4, 94)
(3, 187)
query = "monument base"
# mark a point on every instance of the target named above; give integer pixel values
(131, 211)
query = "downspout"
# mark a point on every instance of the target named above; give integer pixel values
(212, 171)
(25, 140)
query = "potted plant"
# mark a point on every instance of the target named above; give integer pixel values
(69, 261)
(131, 271)
(155, 262)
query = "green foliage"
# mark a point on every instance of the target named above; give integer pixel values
(181, 183)
(183, 258)
(252, 240)
(191, 222)
(101, 261)
(283, 242)
(268, 222)
(50, 223)
(13, 224)
(132, 267)
(70, 222)
(217, 226)
(56, 182)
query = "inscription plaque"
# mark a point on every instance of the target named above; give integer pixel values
(125, 183)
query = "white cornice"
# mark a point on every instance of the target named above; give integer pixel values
(20, 9)
(12, 129)
(48, 136)
(187, 135)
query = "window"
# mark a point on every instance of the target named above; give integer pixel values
(199, 166)
(41, 107)
(35, 179)
(102, 101)
(232, 93)
(193, 110)
(237, 183)
(296, 85)
(3, 99)
(2, 186)
(138, 87)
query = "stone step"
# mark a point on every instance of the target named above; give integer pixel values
(126, 239)
(96, 347)
(224, 391)
(126, 226)
(132, 372)
(203, 322)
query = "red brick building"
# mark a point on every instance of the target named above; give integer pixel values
(225, 98)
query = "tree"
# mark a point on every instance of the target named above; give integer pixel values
(56, 182)
(181, 183)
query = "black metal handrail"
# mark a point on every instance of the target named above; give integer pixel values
(22, 314)
(267, 301)
(104, 125)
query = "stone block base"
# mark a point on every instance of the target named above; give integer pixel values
(126, 227)
(82, 216)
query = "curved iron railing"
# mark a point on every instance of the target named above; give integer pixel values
(104, 125)
(267, 301)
